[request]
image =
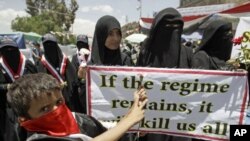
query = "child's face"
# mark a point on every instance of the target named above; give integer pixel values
(45, 103)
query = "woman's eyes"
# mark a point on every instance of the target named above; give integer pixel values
(114, 33)
(111, 33)
(172, 25)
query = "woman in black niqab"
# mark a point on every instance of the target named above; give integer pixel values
(102, 54)
(163, 47)
(216, 46)
(52, 51)
(55, 63)
(12, 56)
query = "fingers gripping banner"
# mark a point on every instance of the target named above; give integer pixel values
(182, 102)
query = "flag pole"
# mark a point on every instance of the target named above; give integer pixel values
(140, 8)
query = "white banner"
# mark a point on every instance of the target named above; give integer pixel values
(182, 102)
(242, 30)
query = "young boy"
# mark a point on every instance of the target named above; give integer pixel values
(38, 101)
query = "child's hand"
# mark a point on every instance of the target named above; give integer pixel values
(136, 112)
(141, 92)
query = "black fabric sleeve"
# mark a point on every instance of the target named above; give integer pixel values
(31, 68)
(89, 125)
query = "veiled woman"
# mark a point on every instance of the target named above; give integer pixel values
(106, 44)
(216, 46)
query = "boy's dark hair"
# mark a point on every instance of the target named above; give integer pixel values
(28, 87)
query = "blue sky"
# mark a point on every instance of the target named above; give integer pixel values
(90, 11)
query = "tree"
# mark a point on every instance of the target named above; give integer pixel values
(31, 8)
(46, 16)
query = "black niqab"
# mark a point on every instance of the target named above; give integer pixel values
(162, 48)
(81, 45)
(217, 40)
(12, 56)
(100, 54)
(53, 53)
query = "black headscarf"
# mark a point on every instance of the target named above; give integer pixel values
(217, 39)
(52, 52)
(81, 45)
(82, 42)
(100, 54)
(162, 48)
(216, 46)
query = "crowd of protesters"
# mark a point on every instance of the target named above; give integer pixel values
(37, 98)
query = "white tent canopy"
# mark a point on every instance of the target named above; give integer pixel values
(136, 38)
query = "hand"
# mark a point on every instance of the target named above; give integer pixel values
(81, 72)
(141, 92)
(136, 112)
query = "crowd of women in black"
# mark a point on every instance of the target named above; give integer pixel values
(162, 49)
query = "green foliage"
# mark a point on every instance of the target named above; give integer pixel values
(47, 16)
(31, 8)
(67, 39)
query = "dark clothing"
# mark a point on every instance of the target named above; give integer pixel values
(57, 62)
(87, 125)
(163, 46)
(10, 130)
(100, 54)
(43, 137)
(81, 86)
(216, 46)
(163, 49)
(201, 60)
(75, 62)
(126, 50)
(186, 57)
